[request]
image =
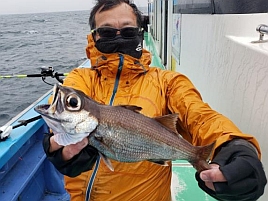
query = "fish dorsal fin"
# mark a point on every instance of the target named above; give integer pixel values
(168, 121)
(133, 108)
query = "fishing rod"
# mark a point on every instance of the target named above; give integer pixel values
(45, 72)
(6, 130)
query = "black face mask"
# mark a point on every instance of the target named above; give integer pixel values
(130, 46)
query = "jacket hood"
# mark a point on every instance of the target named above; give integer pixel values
(101, 60)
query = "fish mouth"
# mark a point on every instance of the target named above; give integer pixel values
(41, 108)
(43, 111)
(48, 110)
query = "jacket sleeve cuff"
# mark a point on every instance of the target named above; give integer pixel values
(82, 162)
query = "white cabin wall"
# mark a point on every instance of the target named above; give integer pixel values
(229, 71)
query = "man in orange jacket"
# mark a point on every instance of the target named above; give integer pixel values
(120, 75)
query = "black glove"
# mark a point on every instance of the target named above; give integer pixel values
(243, 171)
(82, 162)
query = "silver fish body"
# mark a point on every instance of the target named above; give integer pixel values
(122, 133)
(128, 136)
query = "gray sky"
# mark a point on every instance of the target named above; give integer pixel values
(37, 6)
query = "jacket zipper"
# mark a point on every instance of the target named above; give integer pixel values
(116, 84)
(120, 67)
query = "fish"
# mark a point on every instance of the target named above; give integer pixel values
(120, 133)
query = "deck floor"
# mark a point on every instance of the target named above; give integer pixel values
(184, 187)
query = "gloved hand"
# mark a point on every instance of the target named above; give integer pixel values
(243, 171)
(81, 162)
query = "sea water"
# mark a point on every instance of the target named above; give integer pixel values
(30, 42)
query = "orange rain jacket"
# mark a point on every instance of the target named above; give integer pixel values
(118, 79)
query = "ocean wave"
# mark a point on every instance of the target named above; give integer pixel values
(30, 32)
(10, 32)
(31, 41)
(4, 117)
(39, 20)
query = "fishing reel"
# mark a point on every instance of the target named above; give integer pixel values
(49, 72)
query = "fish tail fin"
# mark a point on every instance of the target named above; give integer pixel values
(203, 153)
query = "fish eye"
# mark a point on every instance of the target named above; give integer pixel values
(73, 102)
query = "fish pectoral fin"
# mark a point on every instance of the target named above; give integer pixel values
(107, 161)
(169, 121)
(162, 163)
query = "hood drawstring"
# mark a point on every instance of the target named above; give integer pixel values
(95, 67)
(138, 63)
(104, 58)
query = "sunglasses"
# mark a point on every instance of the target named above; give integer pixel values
(109, 32)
